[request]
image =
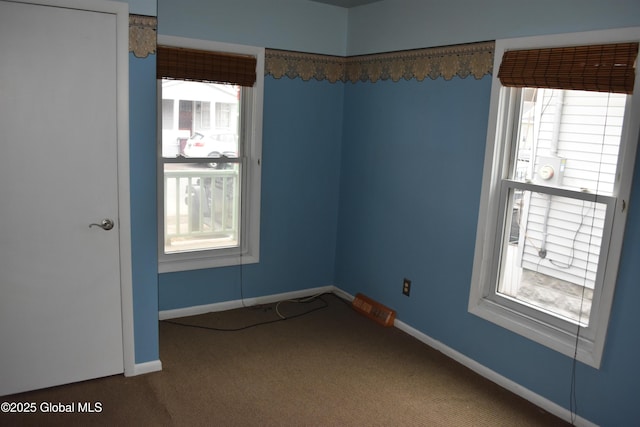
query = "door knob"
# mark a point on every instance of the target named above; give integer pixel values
(105, 224)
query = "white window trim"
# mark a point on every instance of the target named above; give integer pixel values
(590, 344)
(248, 251)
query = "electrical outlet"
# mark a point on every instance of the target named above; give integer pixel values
(406, 287)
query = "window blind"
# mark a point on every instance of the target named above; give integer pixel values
(205, 66)
(601, 68)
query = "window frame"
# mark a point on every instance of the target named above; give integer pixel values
(248, 250)
(586, 344)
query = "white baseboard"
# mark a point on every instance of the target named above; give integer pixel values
(268, 299)
(144, 368)
(493, 376)
(247, 302)
(199, 309)
(342, 294)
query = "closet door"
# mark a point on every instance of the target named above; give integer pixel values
(60, 293)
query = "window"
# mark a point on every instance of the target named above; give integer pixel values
(209, 176)
(560, 155)
(223, 114)
(203, 115)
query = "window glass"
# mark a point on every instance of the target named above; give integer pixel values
(201, 207)
(551, 253)
(569, 139)
(551, 249)
(202, 199)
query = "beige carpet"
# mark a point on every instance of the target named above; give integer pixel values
(331, 367)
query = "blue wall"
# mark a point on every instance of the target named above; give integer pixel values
(408, 24)
(410, 193)
(279, 24)
(365, 184)
(442, 126)
(144, 252)
(142, 7)
(142, 170)
(299, 209)
(413, 155)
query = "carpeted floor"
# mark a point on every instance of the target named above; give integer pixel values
(330, 367)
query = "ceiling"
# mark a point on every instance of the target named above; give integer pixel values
(346, 3)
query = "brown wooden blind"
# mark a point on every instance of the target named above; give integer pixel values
(601, 68)
(204, 66)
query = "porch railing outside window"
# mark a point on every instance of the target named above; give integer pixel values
(201, 209)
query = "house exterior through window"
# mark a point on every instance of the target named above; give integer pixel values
(560, 151)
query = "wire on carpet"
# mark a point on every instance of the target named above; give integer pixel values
(281, 317)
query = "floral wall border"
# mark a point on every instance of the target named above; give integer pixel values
(474, 59)
(142, 35)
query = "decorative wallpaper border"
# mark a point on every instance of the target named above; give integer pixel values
(279, 63)
(142, 35)
(474, 59)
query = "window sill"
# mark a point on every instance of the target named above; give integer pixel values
(198, 263)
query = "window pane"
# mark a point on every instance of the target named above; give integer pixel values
(167, 114)
(569, 139)
(550, 253)
(201, 207)
(197, 130)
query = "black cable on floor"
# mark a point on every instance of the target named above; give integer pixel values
(301, 301)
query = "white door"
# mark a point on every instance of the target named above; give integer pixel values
(60, 297)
